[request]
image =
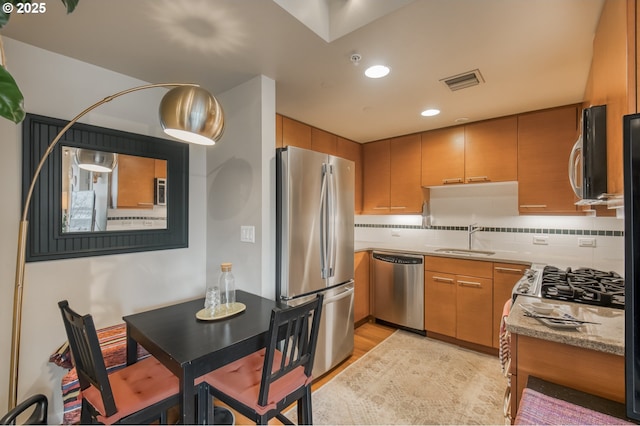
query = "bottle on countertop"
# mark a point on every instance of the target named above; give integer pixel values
(227, 286)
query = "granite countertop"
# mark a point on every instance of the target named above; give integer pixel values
(607, 336)
(502, 256)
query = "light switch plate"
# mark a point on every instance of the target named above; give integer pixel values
(248, 234)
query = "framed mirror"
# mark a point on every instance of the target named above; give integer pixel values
(103, 191)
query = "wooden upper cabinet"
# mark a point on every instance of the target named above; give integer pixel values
(443, 156)
(295, 133)
(278, 131)
(491, 150)
(353, 151)
(405, 166)
(322, 141)
(545, 140)
(377, 177)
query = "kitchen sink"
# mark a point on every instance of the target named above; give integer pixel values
(463, 252)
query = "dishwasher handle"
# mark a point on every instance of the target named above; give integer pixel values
(402, 259)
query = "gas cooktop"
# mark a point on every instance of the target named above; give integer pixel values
(580, 285)
(583, 285)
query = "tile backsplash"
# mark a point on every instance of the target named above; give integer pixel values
(575, 241)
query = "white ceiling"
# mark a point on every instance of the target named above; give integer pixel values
(532, 54)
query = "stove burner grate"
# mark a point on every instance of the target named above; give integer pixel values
(583, 285)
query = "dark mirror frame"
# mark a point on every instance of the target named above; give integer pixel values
(45, 240)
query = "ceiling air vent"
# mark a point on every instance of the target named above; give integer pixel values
(462, 81)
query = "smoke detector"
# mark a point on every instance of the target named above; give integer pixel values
(355, 58)
(464, 80)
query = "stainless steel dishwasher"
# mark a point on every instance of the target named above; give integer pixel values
(398, 289)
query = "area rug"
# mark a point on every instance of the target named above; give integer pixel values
(411, 379)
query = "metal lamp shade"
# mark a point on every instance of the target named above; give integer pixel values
(96, 161)
(192, 114)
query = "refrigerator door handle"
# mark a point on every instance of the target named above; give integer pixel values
(332, 212)
(324, 269)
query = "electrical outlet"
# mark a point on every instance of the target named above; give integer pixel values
(542, 240)
(586, 242)
(395, 232)
(248, 234)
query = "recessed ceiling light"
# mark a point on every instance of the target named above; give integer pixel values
(461, 120)
(377, 71)
(430, 112)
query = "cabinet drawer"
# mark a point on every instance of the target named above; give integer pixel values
(475, 268)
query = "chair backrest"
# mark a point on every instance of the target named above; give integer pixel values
(40, 405)
(87, 356)
(290, 333)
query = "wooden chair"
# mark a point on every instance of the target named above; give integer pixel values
(261, 385)
(40, 405)
(139, 393)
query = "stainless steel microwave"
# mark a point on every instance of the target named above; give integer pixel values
(588, 159)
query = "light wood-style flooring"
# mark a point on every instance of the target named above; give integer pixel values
(366, 337)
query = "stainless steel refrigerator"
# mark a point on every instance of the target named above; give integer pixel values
(314, 226)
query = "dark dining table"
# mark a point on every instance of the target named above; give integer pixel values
(190, 347)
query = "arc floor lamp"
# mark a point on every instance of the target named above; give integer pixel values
(187, 112)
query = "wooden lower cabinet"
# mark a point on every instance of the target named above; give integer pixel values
(474, 309)
(505, 275)
(586, 370)
(459, 299)
(362, 299)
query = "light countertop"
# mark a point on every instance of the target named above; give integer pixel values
(607, 336)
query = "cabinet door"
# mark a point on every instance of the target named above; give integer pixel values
(440, 303)
(362, 287)
(474, 309)
(135, 182)
(491, 150)
(322, 141)
(545, 140)
(377, 177)
(405, 163)
(295, 133)
(353, 151)
(505, 276)
(443, 156)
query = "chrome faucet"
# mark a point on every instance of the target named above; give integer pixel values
(471, 230)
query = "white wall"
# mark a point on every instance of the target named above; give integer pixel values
(106, 286)
(240, 188)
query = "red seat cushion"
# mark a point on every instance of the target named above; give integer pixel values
(135, 387)
(241, 381)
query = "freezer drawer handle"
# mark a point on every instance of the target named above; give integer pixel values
(342, 295)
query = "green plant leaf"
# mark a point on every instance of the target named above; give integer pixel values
(11, 99)
(70, 5)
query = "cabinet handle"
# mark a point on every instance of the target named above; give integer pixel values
(452, 180)
(443, 279)
(533, 206)
(145, 204)
(478, 179)
(514, 270)
(381, 208)
(469, 283)
(398, 207)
